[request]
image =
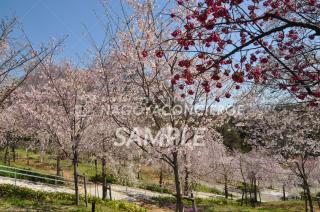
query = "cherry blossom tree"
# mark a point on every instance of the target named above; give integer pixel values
(145, 74)
(18, 58)
(273, 43)
(214, 164)
(12, 130)
(291, 137)
(63, 101)
(101, 139)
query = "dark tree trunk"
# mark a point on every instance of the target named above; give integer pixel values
(28, 159)
(161, 177)
(244, 194)
(96, 167)
(186, 176)
(186, 182)
(226, 192)
(7, 156)
(104, 178)
(13, 150)
(250, 191)
(245, 185)
(309, 197)
(284, 192)
(242, 197)
(179, 203)
(306, 186)
(58, 165)
(75, 176)
(255, 190)
(305, 199)
(138, 175)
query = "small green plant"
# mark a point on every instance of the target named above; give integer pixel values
(155, 187)
(247, 187)
(110, 178)
(203, 188)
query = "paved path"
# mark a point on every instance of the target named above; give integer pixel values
(35, 185)
(126, 193)
(118, 192)
(267, 195)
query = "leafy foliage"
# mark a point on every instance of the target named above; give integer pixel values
(233, 139)
(155, 187)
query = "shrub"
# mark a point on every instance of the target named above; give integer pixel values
(164, 201)
(248, 187)
(110, 178)
(203, 188)
(127, 206)
(155, 187)
(207, 201)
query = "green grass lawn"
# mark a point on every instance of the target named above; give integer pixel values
(148, 178)
(15, 204)
(288, 206)
(48, 166)
(223, 205)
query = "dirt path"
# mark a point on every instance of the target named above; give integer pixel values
(118, 192)
(122, 192)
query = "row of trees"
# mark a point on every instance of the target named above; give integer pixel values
(172, 84)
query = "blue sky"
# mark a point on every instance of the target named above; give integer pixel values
(43, 20)
(46, 19)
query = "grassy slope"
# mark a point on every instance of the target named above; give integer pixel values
(223, 205)
(15, 204)
(48, 166)
(16, 198)
(148, 175)
(265, 207)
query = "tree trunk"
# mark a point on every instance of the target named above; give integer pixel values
(58, 165)
(306, 186)
(96, 166)
(250, 191)
(161, 177)
(309, 197)
(244, 183)
(284, 192)
(242, 197)
(28, 159)
(226, 193)
(42, 153)
(7, 156)
(13, 150)
(186, 182)
(104, 178)
(179, 203)
(305, 199)
(75, 176)
(138, 175)
(259, 192)
(255, 190)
